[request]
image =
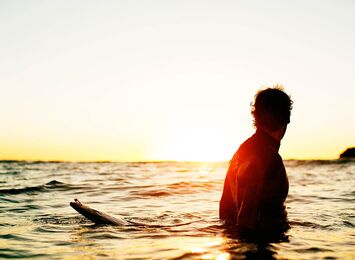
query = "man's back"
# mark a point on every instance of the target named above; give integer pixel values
(256, 186)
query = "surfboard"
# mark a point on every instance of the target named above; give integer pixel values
(96, 216)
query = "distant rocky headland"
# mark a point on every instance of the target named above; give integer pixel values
(348, 153)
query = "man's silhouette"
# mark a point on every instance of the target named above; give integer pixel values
(256, 184)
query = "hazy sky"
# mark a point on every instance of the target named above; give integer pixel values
(171, 80)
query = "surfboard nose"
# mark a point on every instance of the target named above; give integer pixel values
(75, 204)
(94, 215)
(72, 204)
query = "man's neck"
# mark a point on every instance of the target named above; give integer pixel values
(276, 135)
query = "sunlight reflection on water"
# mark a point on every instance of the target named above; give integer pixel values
(177, 205)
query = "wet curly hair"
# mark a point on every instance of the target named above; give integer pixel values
(271, 108)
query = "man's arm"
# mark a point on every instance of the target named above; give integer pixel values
(250, 178)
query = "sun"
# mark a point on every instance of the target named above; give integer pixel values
(198, 143)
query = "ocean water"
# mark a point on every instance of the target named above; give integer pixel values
(176, 207)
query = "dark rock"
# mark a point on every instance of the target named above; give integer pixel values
(349, 153)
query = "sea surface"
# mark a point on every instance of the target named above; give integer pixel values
(175, 208)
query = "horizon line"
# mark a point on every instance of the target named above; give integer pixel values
(147, 161)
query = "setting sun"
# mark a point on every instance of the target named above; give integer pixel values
(198, 143)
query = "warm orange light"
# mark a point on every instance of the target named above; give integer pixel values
(198, 143)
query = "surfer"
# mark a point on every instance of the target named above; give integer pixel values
(256, 183)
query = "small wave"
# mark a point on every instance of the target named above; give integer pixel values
(50, 229)
(24, 208)
(28, 190)
(14, 237)
(192, 185)
(55, 183)
(13, 172)
(153, 193)
(19, 253)
(312, 225)
(318, 162)
(179, 188)
(8, 200)
(22, 162)
(7, 225)
(162, 226)
(213, 229)
(106, 235)
(189, 255)
(313, 249)
(52, 185)
(11, 161)
(348, 224)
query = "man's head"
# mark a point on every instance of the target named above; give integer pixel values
(271, 109)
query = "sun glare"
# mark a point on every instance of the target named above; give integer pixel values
(198, 144)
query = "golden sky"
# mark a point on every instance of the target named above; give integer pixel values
(171, 80)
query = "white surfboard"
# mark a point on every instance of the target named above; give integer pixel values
(96, 216)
